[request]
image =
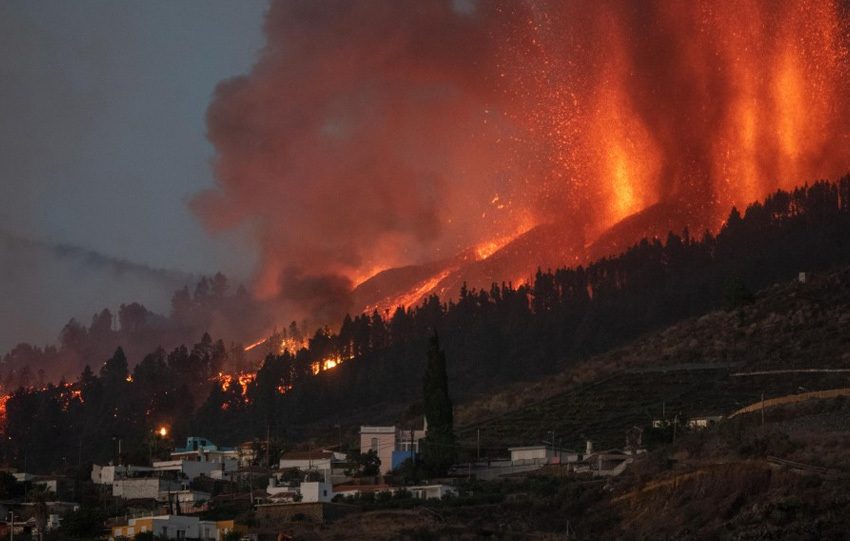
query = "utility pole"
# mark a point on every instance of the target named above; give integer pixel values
(268, 444)
(478, 443)
(413, 450)
(762, 408)
(11, 526)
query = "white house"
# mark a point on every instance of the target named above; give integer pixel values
(393, 445)
(429, 492)
(193, 469)
(316, 460)
(305, 492)
(144, 488)
(541, 454)
(106, 475)
(316, 491)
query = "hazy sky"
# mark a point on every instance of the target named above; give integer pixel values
(102, 139)
(102, 143)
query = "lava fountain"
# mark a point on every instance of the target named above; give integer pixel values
(373, 135)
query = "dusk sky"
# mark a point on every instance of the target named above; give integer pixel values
(103, 138)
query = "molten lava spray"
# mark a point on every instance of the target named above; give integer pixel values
(375, 134)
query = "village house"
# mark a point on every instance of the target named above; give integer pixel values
(202, 450)
(432, 492)
(699, 423)
(136, 482)
(173, 527)
(192, 469)
(145, 488)
(320, 460)
(694, 423)
(316, 491)
(106, 475)
(608, 463)
(59, 485)
(188, 501)
(199, 458)
(526, 459)
(392, 444)
(542, 454)
(247, 454)
(421, 492)
(305, 491)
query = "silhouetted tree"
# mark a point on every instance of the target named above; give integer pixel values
(439, 447)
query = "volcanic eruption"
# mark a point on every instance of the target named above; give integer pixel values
(407, 147)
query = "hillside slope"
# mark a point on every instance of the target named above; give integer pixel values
(701, 366)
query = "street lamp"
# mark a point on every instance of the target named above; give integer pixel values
(159, 433)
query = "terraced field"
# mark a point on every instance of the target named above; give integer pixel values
(602, 411)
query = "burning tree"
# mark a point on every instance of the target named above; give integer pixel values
(439, 446)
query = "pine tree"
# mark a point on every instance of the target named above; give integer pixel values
(439, 446)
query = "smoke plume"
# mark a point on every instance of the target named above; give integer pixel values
(373, 134)
(39, 282)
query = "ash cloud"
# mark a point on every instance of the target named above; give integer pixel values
(359, 140)
(372, 134)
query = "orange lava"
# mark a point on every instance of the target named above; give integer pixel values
(255, 344)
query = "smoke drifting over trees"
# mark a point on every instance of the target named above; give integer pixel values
(42, 285)
(492, 337)
(373, 134)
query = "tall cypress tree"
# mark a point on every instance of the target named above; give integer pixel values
(439, 446)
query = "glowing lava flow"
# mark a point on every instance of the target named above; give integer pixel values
(423, 288)
(485, 249)
(580, 114)
(3, 399)
(257, 343)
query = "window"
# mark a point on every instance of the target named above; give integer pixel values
(374, 446)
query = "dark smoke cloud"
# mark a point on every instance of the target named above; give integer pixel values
(372, 134)
(361, 138)
(323, 297)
